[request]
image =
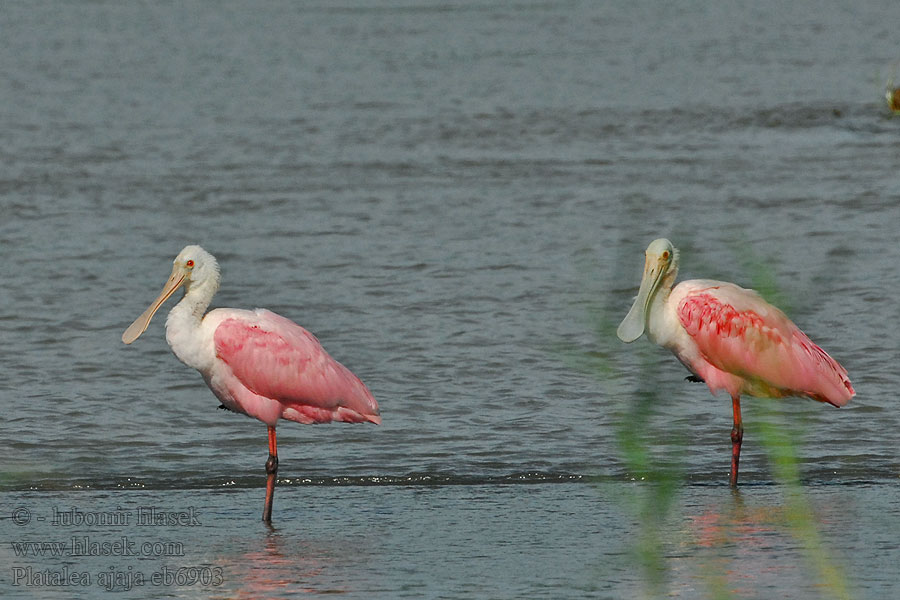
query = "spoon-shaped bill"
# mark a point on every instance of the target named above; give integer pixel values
(140, 324)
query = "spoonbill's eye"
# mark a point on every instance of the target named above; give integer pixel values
(665, 255)
(189, 264)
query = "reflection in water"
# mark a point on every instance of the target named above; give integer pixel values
(278, 567)
(745, 550)
(746, 533)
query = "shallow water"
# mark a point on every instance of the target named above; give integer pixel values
(567, 540)
(455, 199)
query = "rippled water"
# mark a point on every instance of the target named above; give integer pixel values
(455, 199)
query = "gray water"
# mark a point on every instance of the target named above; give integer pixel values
(455, 198)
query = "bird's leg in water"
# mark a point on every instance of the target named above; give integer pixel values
(737, 436)
(271, 471)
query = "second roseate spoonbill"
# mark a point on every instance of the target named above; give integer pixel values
(254, 361)
(730, 338)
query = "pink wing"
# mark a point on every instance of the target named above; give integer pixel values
(738, 332)
(276, 358)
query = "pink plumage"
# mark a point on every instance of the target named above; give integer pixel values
(272, 357)
(747, 346)
(731, 338)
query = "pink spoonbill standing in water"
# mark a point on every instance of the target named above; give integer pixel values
(730, 338)
(254, 361)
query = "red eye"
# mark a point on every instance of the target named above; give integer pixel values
(665, 255)
(189, 263)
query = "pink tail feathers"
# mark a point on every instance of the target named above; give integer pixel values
(830, 378)
(308, 415)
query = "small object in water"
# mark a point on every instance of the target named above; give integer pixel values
(892, 95)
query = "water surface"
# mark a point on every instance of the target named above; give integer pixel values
(455, 199)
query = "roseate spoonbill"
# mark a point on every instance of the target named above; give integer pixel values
(254, 361)
(730, 338)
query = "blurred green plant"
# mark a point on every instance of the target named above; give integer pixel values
(652, 499)
(779, 440)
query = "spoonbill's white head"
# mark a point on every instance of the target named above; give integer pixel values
(193, 267)
(660, 269)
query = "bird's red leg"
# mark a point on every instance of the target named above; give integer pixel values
(271, 470)
(737, 435)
